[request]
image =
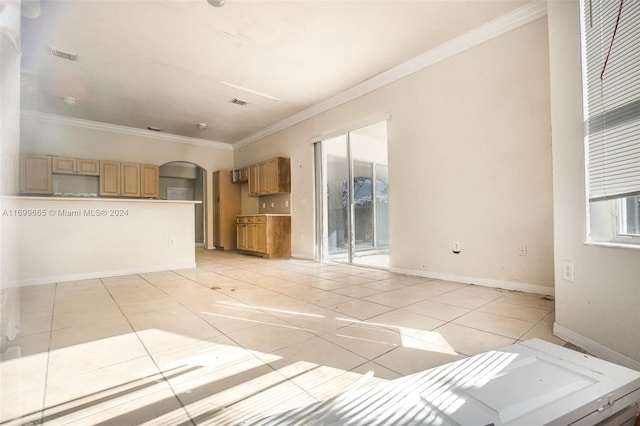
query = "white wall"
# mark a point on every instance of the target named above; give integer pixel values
(45, 136)
(50, 240)
(600, 310)
(469, 161)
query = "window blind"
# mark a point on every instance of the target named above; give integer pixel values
(612, 58)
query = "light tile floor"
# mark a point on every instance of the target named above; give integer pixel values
(240, 338)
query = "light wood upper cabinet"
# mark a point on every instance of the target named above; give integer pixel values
(75, 166)
(115, 178)
(35, 174)
(254, 180)
(63, 165)
(87, 167)
(130, 179)
(109, 178)
(270, 177)
(149, 180)
(243, 175)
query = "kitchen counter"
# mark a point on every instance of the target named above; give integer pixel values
(55, 239)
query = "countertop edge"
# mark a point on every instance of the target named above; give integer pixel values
(99, 199)
(263, 214)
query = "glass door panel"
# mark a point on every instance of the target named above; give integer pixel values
(336, 214)
(370, 201)
(353, 197)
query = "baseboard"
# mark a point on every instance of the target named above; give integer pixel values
(506, 285)
(594, 348)
(93, 275)
(302, 256)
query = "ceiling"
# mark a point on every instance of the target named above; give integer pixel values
(174, 64)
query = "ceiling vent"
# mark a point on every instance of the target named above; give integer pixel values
(154, 129)
(63, 55)
(239, 102)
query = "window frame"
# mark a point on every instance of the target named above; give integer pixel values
(603, 216)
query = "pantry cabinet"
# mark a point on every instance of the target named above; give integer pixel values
(268, 236)
(35, 174)
(227, 204)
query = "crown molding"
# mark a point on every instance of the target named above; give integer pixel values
(492, 29)
(95, 125)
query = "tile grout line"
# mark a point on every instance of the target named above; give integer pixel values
(160, 371)
(251, 352)
(46, 374)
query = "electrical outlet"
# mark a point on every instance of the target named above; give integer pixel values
(567, 270)
(264, 205)
(273, 204)
(172, 242)
(523, 250)
(456, 247)
(286, 203)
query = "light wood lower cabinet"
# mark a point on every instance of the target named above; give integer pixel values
(35, 174)
(264, 235)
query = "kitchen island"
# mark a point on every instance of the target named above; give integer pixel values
(55, 239)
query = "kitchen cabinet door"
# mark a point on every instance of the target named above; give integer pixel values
(130, 179)
(35, 174)
(87, 167)
(109, 178)
(254, 180)
(149, 181)
(63, 165)
(261, 238)
(227, 204)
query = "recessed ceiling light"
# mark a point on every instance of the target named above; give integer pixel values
(255, 92)
(69, 100)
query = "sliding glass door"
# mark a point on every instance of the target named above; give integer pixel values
(353, 196)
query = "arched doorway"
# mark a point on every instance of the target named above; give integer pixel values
(182, 180)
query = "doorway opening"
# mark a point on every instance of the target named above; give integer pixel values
(181, 180)
(352, 189)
